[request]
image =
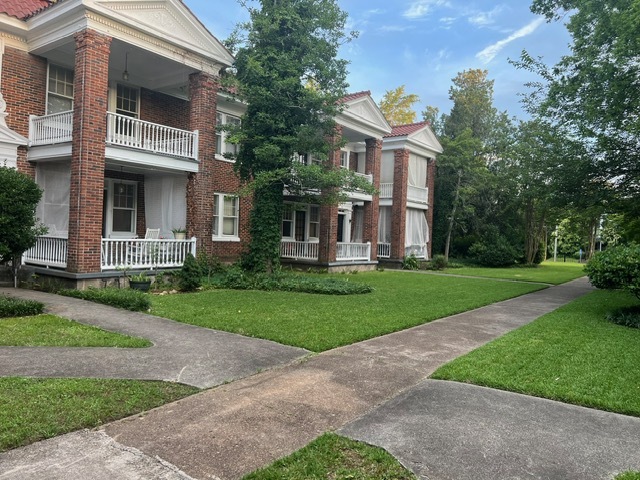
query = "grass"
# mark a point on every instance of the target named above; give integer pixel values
(572, 355)
(628, 476)
(551, 272)
(319, 322)
(334, 457)
(35, 409)
(53, 331)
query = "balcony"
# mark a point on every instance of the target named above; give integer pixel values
(345, 251)
(384, 250)
(414, 194)
(122, 131)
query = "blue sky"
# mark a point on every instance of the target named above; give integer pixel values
(423, 44)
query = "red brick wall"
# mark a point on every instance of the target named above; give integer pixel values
(399, 207)
(156, 107)
(371, 209)
(24, 87)
(328, 239)
(431, 175)
(88, 151)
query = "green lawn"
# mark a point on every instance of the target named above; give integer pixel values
(628, 476)
(573, 355)
(551, 272)
(335, 457)
(35, 409)
(323, 322)
(53, 331)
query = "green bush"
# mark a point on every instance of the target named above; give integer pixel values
(496, 252)
(126, 298)
(617, 268)
(410, 263)
(439, 262)
(14, 307)
(627, 317)
(190, 276)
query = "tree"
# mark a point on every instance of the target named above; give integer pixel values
(19, 196)
(472, 96)
(289, 44)
(397, 106)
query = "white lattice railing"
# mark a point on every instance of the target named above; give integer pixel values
(353, 251)
(417, 194)
(367, 177)
(420, 251)
(299, 250)
(384, 250)
(50, 129)
(131, 132)
(145, 253)
(386, 190)
(47, 252)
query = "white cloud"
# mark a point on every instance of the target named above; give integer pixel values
(395, 28)
(491, 51)
(482, 19)
(447, 20)
(421, 8)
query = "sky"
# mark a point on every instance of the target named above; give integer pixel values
(423, 44)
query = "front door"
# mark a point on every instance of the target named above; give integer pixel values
(301, 223)
(341, 219)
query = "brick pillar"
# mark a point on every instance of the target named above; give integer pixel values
(371, 209)
(399, 206)
(203, 89)
(328, 240)
(431, 177)
(88, 151)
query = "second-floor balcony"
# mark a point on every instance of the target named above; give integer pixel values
(122, 131)
(414, 194)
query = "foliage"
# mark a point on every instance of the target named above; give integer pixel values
(410, 262)
(572, 355)
(209, 264)
(495, 251)
(439, 262)
(238, 279)
(53, 331)
(19, 196)
(397, 106)
(190, 275)
(140, 277)
(128, 299)
(34, 409)
(14, 307)
(616, 268)
(628, 316)
(332, 456)
(289, 45)
(630, 475)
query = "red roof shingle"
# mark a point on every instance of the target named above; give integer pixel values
(404, 130)
(354, 96)
(24, 9)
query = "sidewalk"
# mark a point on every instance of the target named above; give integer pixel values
(234, 429)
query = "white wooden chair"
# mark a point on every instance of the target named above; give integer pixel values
(139, 254)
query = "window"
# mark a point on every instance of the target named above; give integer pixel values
(301, 223)
(287, 221)
(225, 217)
(306, 159)
(123, 208)
(60, 90)
(222, 146)
(314, 221)
(344, 159)
(127, 101)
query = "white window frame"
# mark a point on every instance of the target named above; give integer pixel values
(223, 118)
(110, 185)
(345, 159)
(57, 94)
(291, 207)
(219, 217)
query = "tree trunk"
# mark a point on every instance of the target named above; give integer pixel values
(593, 233)
(452, 216)
(534, 228)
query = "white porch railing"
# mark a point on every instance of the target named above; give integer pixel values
(353, 251)
(384, 250)
(420, 251)
(386, 190)
(418, 194)
(299, 250)
(47, 252)
(131, 132)
(50, 129)
(367, 177)
(145, 253)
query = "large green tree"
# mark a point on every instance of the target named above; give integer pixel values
(397, 106)
(292, 81)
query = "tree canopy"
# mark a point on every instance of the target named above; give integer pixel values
(397, 106)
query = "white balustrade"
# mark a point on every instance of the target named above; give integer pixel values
(50, 129)
(417, 194)
(384, 250)
(145, 253)
(386, 190)
(131, 132)
(47, 252)
(353, 251)
(367, 177)
(299, 250)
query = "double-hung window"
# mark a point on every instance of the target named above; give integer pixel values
(123, 208)
(225, 217)
(60, 90)
(344, 159)
(222, 144)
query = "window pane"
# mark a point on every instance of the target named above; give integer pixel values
(215, 215)
(229, 226)
(230, 206)
(286, 228)
(314, 214)
(122, 220)
(313, 230)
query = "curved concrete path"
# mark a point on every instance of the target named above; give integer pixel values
(234, 429)
(180, 353)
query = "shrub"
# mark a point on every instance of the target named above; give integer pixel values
(410, 263)
(190, 276)
(617, 268)
(496, 252)
(15, 307)
(126, 298)
(627, 317)
(439, 262)
(209, 264)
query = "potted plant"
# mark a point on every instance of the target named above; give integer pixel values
(140, 282)
(179, 233)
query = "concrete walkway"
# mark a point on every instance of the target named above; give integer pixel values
(180, 353)
(234, 429)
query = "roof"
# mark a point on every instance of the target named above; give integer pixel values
(23, 9)
(354, 96)
(405, 130)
